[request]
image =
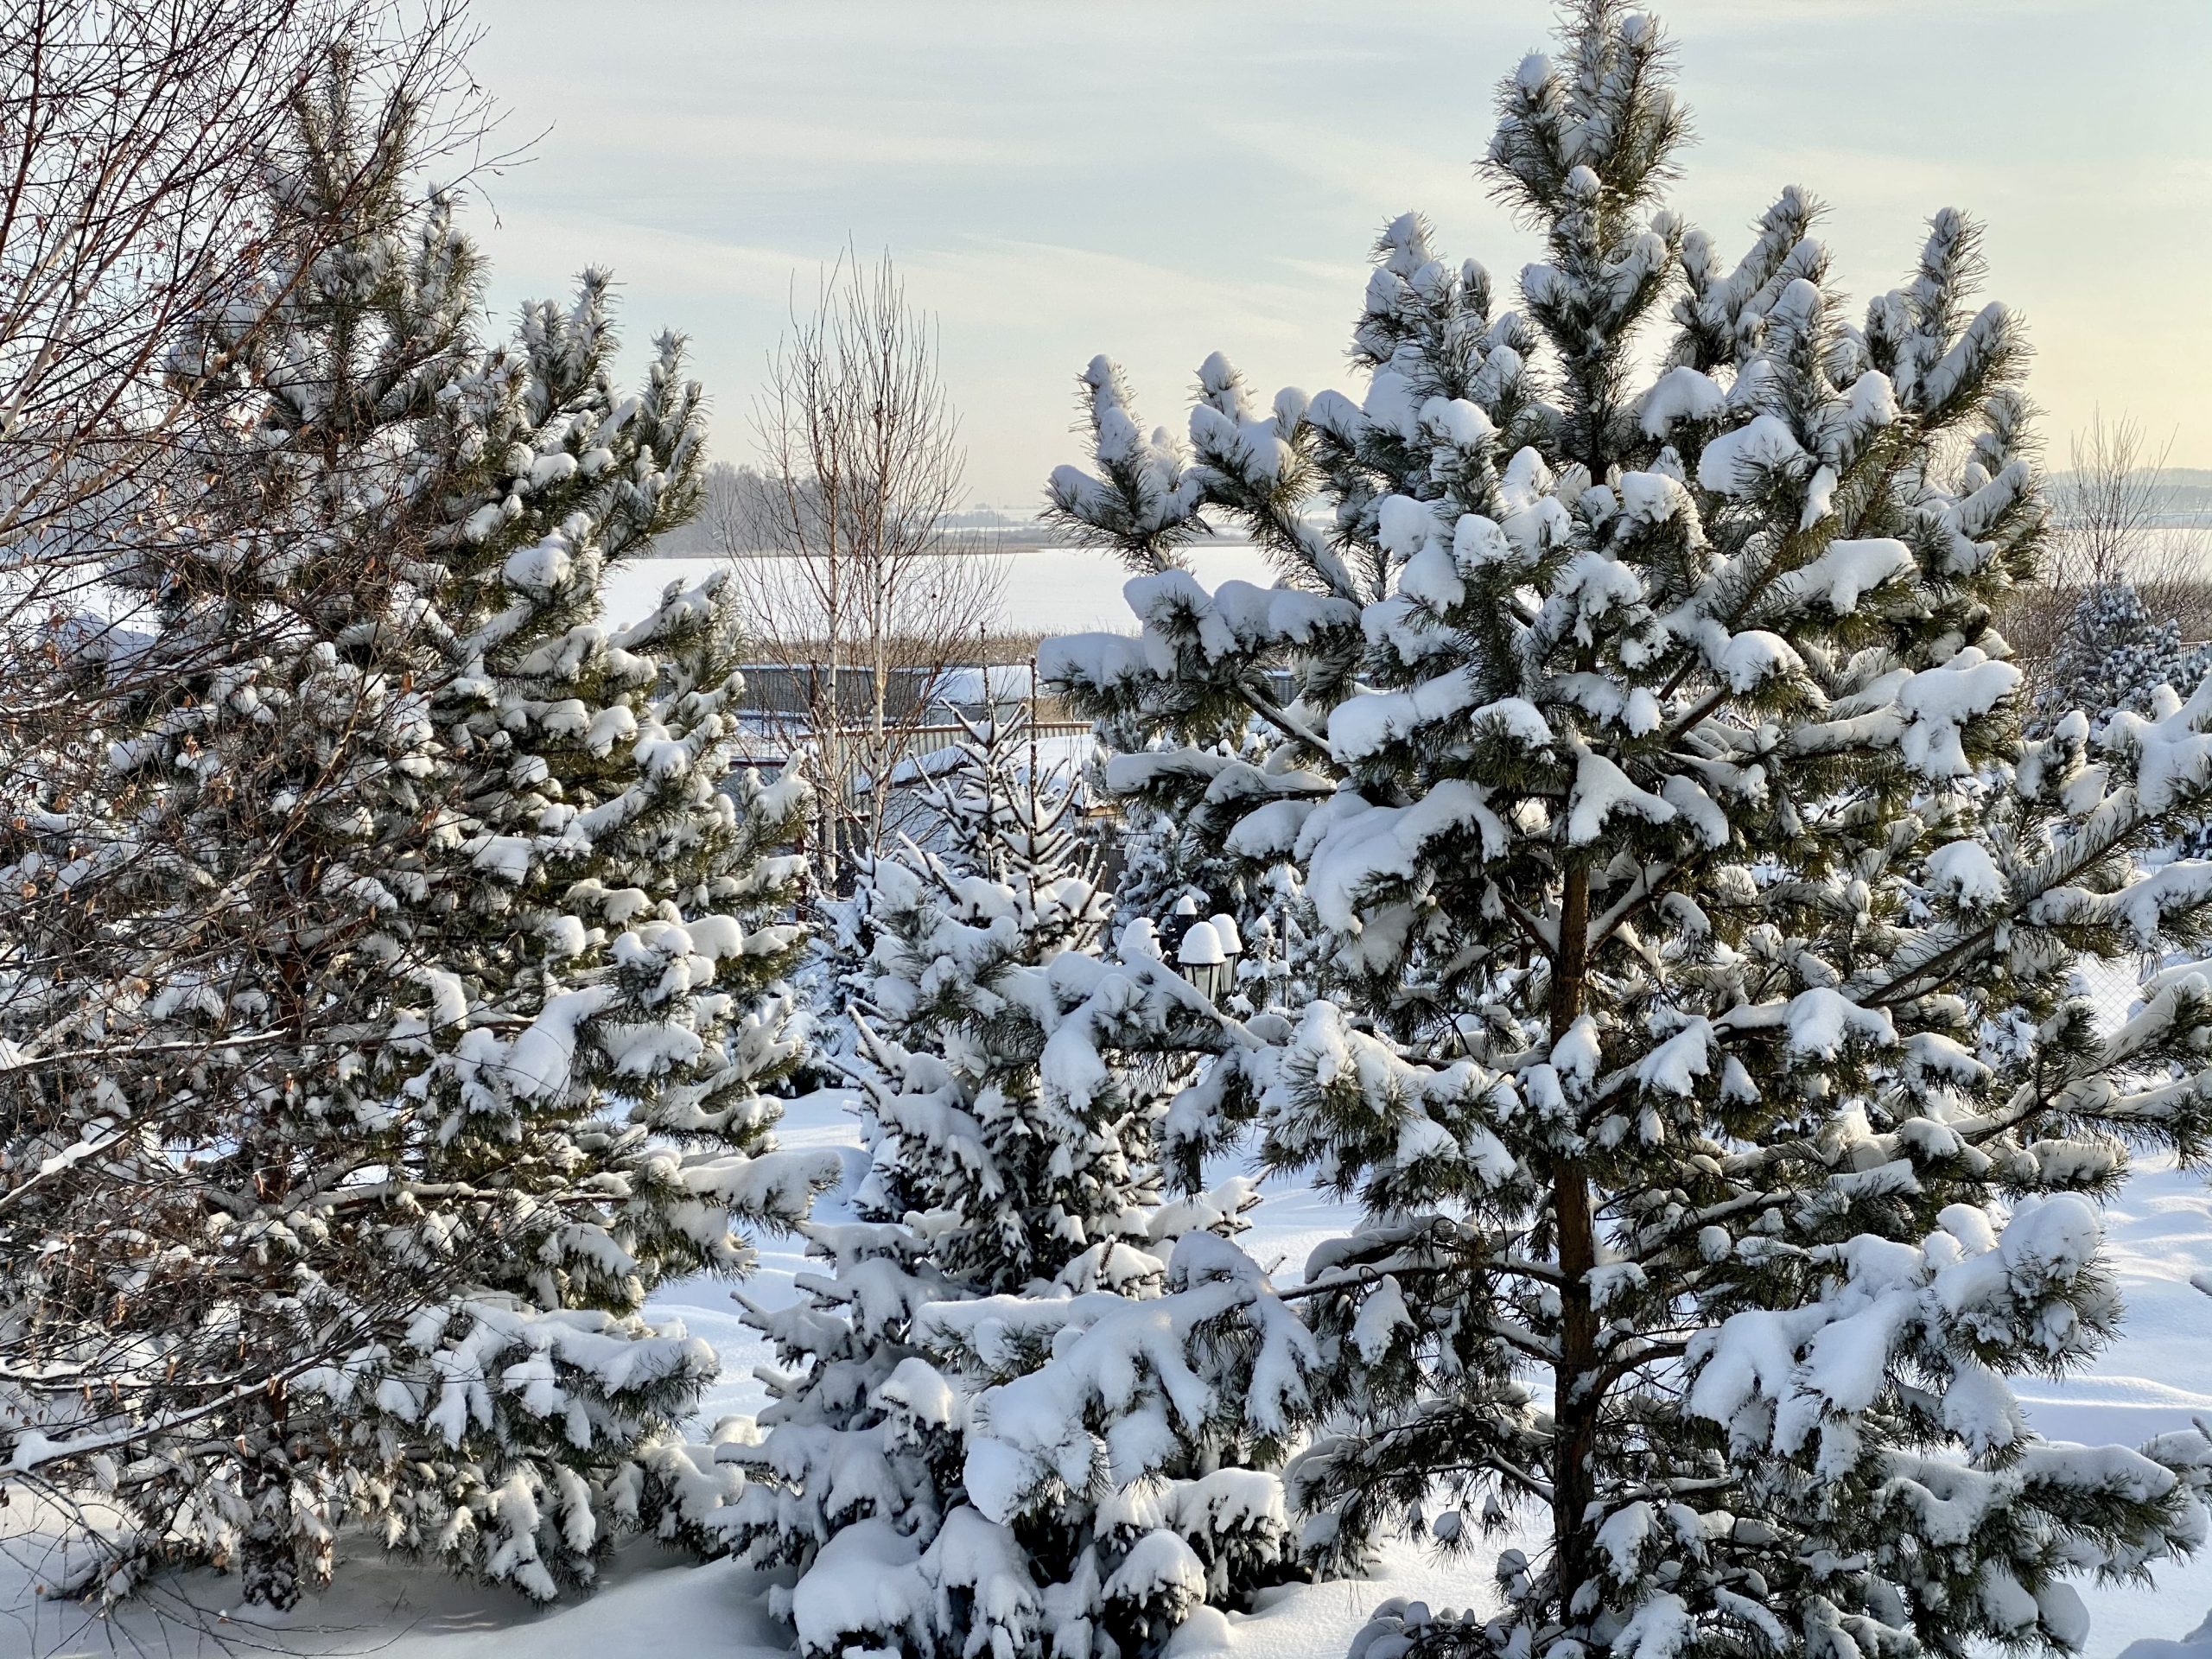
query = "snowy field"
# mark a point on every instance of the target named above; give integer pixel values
(2155, 1377)
(1049, 590)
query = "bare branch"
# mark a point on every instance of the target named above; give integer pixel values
(843, 543)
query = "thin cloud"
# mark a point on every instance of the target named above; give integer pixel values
(1162, 179)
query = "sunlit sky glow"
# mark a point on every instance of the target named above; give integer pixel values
(1159, 181)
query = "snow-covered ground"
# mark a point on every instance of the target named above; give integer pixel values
(1052, 590)
(2155, 1377)
(651, 1599)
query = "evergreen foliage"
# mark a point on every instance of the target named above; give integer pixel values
(994, 811)
(1696, 925)
(473, 1042)
(942, 1494)
(2114, 658)
(2114, 655)
(1169, 856)
(979, 809)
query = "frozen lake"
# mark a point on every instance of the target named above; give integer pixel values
(1047, 590)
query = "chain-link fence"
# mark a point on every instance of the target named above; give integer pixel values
(2115, 988)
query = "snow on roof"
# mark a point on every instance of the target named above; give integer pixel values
(1000, 682)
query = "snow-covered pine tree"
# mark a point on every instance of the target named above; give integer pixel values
(462, 894)
(1014, 1196)
(1697, 1034)
(1153, 872)
(262, 756)
(622, 921)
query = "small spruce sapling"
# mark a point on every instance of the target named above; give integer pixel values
(945, 1429)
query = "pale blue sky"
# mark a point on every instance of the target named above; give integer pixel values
(1159, 181)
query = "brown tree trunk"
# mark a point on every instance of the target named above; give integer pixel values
(1574, 1407)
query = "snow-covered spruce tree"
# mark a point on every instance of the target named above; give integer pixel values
(1156, 859)
(1002, 1068)
(986, 808)
(461, 894)
(2115, 655)
(1698, 1035)
(998, 811)
(1166, 858)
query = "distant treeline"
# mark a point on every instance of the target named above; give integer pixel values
(2176, 496)
(746, 511)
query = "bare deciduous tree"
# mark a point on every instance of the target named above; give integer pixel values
(2106, 512)
(857, 577)
(2111, 521)
(136, 137)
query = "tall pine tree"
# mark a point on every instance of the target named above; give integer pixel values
(1697, 925)
(469, 1046)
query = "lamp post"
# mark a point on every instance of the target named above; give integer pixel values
(1140, 938)
(1176, 924)
(1232, 949)
(1202, 959)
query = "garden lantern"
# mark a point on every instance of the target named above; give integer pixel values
(1202, 959)
(1232, 950)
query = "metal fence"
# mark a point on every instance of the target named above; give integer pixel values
(787, 691)
(1062, 745)
(2113, 988)
(793, 690)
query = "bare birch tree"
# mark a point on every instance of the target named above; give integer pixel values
(135, 138)
(2111, 522)
(861, 584)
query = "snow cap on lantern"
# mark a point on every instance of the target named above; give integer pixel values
(1140, 938)
(1201, 947)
